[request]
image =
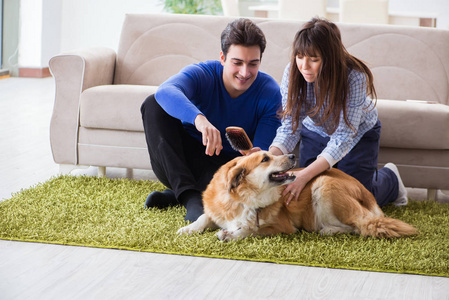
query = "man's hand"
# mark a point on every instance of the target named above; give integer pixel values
(211, 135)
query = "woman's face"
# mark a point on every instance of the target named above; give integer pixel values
(309, 66)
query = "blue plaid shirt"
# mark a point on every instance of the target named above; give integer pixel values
(360, 111)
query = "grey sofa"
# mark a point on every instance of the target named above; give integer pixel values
(96, 119)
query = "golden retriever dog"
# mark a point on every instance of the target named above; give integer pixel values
(245, 198)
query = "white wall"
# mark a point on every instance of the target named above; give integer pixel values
(39, 32)
(30, 33)
(49, 27)
(88, 23)
(441, 7)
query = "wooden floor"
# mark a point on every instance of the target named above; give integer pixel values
(43, 271)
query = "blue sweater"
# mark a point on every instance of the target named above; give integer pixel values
(199, 89)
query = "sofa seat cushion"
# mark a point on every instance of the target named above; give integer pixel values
(113, 148)
(414, 124)
(420, 168)
(115, 107)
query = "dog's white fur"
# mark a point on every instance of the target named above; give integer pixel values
(245, 198)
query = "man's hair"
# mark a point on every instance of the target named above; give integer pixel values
(242, 32)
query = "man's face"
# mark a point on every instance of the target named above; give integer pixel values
(240, 68)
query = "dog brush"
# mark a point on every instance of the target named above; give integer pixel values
(238, 139)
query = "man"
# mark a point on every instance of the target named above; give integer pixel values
(185, 120)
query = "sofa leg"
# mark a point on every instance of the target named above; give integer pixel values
(67, 169)
(101, 171)
(432, 194)
(129, 173)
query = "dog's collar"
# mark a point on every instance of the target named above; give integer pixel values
(257, 216)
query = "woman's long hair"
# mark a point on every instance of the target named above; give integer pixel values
(319, 37)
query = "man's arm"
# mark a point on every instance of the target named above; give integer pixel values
(175, 93)
(174, 97)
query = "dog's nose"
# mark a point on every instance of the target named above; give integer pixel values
(291, 156)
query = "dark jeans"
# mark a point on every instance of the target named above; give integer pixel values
(360, 162)
(178, 160)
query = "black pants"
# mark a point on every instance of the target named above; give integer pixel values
(178, 160)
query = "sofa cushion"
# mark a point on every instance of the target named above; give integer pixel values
(114, 106)
(414, 124)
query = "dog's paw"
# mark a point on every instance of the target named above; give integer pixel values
(227, 236)
(202, 223)
(186, 230)
(224, 235)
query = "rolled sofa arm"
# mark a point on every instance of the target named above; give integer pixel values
(73, 73)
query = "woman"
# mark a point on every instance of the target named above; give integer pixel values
(326, 99)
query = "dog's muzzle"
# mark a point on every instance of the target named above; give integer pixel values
(283, 176)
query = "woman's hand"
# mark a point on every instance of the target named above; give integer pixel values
(211, 135)
(303, 176)
(293, 190)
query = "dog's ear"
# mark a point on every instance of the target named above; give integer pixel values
(235, 177)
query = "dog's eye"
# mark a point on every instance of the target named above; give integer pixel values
(265, 159)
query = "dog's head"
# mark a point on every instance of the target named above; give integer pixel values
(259, 172)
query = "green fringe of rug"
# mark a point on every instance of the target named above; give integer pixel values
(109, 213)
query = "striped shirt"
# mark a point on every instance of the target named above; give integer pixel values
(361, 113)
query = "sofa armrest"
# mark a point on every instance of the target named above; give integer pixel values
(73, 73)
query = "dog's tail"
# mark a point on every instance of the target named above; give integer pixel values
(386, 227)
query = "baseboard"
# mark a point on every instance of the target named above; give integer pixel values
(4, 73)
(34, 72)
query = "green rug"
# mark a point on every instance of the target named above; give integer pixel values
(109, 213)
